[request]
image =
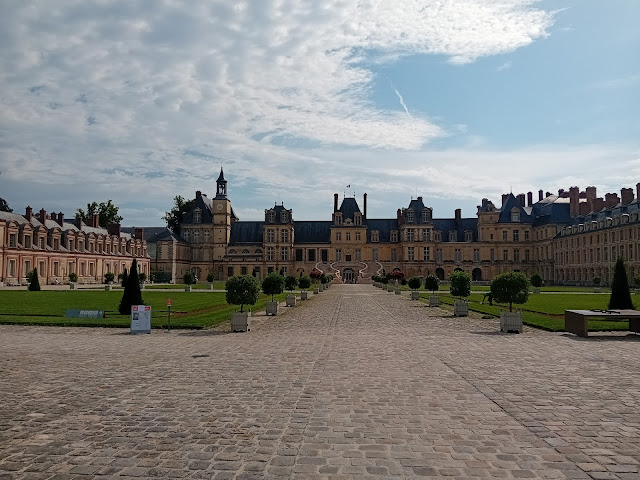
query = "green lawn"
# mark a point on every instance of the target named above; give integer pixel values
(180, 286)
(545, 311)
(47, 307)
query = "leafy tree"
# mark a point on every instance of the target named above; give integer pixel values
(4, 206)
(536, 280)
(620, 294)
(142, 277)
(188, 278)
(34, 283)
(123, 278)
(108, 277)
(210, 277)
(241, 290)
(596, 281)
(273, 284)
(107, 213)
(131, 295)
(324, 279)
(304, 282)
(175, 216)
(432, 282)
(511, 287)
(73, 277)
(315, 275)
(414, 283)
(290, 282)
(460, 284)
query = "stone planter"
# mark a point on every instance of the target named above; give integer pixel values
(510, 322)
(434, 301)
(535, 290)
(325, 286)
(108, 288)
(291, 300)
(187, 288)
(461, 308)
(304, 294)
(241, 321)
(72, 285)
(272, 308)
(316, 290)
(141, 286)
(209, 286)
(415, 295)
(597, 289)
(398, 291)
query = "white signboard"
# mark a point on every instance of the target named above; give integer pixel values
(140, 319)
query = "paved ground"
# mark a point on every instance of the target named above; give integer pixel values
(354, 383)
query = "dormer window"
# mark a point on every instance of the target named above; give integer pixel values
(515, 215)
(375, 236)
(410, 216)
(394, 235)
(453, 236)
(468, 236)
(284, 217)
(271, 216)
(358, 219)
(197, 215)
(338, 218)
(426, 215)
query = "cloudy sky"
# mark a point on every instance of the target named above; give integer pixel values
(451, 100)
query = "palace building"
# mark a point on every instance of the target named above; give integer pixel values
(58, 247)
(567, 238)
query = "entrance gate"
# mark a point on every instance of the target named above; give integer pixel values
(348, 275)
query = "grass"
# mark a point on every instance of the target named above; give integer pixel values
(47, 307)
(545, 311)
(180, 286)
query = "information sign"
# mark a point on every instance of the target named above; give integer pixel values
(140, 319)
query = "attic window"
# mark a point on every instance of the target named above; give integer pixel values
(271, 216)
(453, 236)
(394, 235)
(410, 216)
(468, 236)
(426, 215)
(358, 219)
(197, 215)
(375, 236)
(284, 217)
(515, 215)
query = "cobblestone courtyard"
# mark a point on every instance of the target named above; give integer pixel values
(354, 383)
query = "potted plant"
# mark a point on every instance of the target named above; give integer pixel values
(596, 284)
(273, 284)
(241, 290)
(73, 280)
(188, 280)
(396, 275)
(304, 283)
(324, 281)
(460, 287)
(536, 282)
(108, 280)
(414, 284)
(510, 287)
(432, 282)
(210, 281)
(142, 278)
(315, 276)
(291, 282)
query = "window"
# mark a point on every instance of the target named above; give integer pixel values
(27, 265)
(527, 256)
(284, 270)
(270, 236)
(505, 255)
(324, 254)
(284, 236)
(526, 235)
(426, 253)
(230, 271)
(311, 254)
(492, 254)
(83, 269)
(516, 235)
(476, 254)
(338, 254)
(13, 240)
(357, 219)
(374, 254)
(453, 236)
(12, 268)
(358, 255)
(27, 241)
(299, 253)
(284, 217)
(269, 269)
(515, 215)
(271, 216)
(186, 235)
(207, 236)
(394, 235)
(410, 254)
(468, 236)
(358, 236)
(504, 236)
(91, 266)
(243, 270)
(56, 269)
(437, 236)
(375, 236)
(41, 242)
(197, 215)
(348, 236)
(338, 218)
(394, 255)
(42, 268)
(410, 216)
(339, 236)
(270, 254)
(457, 255)
(516, 255)
(427, 235)
(284, 253)
(426, 215)
(439, 255)
(411, 234)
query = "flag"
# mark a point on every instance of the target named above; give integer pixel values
(349, 186)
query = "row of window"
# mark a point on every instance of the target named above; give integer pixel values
(56, 270)
(598, 254)
(194, 236)
(74, 245)
(270, 235)
(411, 217)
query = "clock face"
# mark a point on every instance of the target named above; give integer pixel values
(219, 207)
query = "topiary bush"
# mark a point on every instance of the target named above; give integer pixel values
(620, 298)
(536, 280)
(273, 284)
(73, 277)
(210, 277)
(109, 277)
(414, 283)
(511, 287)
(432, 282)
(131, 295)
(123, 278)
(304, 282)
(460, 284)
(290, 282)
(242, 290)
(187, 278)
(596, 281)
(34, 282)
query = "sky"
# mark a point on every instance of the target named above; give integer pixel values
(451, 100)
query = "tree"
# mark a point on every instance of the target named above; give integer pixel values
(187, 278)
(536, 280)
(273, 284)
(4, 206)
(73, 277)
(123, 278)
(432, 283)
(304, 282)
(511, 287)
(460, 284)
(414, 283)
(108, 277)
(242, 289)
(175, 216)
(131, 295)
(210, 277)
(315, 275)
(620, 295)
(596, 281)
(290, 282)
(34, 283)
(107, 213)
(142, 277)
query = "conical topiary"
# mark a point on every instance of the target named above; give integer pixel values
(34, 285)
(620, 294)
(131, 295)
(123, 283)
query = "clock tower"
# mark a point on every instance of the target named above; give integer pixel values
(222, 217)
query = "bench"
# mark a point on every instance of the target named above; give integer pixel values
(575, 321)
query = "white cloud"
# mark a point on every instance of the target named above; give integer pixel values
(504, 66)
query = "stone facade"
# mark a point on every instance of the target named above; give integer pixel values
(58, 247)
(520, 235)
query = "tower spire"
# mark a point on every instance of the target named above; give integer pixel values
(221, 190)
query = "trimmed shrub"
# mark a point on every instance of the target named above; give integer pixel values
(384, 280)
(620, 294)
(596, 281)
(273, 284)
(142, 277)
(123, 278)
(210, 277)
(536, 280)
(241, 290)
(290, 282)
(414, 283)
(304, 282)
(188, 278)
(510, 287)
(109, 277)
(431, 282)
(34, 283)
(460, 284)
(131, 295)
(73, 277)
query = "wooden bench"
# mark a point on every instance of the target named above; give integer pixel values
(575, 321)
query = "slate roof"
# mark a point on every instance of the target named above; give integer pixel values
(446, 225)
(278, 209)
(383, 226)
(312, 232)
(509, 204)
(205, 205)
(152, 234)
(9, 217)
(246, 233)
(552, 210)
(349, 208)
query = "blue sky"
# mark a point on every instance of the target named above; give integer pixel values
(449, 100)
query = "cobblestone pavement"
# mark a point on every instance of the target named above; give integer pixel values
(354, 383)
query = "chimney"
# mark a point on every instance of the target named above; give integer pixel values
(335, 202)
(529, 199)
(504, 198)
(458, 215)
(95, 220)
(598, 204)
(78, 221)
(591, 195)
(29, 213)
(43, 216)
(560, 192)
(198, 193)
(638, 191)
(627, 195)
(574, 201)
(61, 218)
(611, 200)
(547, 194)
(114, 229)
(365, 205)
(521, 199)
(138, 233)
(399, 217)
(585, 207)
(540, 195)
